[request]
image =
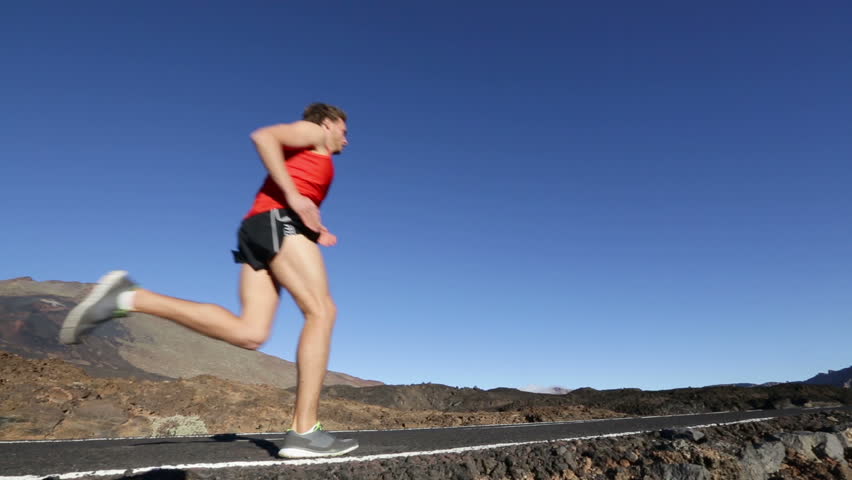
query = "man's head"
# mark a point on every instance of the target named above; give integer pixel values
(332, 119)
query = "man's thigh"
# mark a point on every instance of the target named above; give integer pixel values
(299, 267)
(260, 296)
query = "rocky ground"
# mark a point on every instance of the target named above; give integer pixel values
(626, 401)
(51, 399)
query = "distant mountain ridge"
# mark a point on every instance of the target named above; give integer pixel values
(140, 346)
(838, 378)
(746, 385)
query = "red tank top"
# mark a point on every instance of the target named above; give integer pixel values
(311, 172)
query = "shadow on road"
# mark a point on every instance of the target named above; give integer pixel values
(261, 443)
(159, 475)
(270, 447)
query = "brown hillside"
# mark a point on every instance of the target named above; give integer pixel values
(140, 346)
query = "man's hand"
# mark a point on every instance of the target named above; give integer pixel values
(326, 238)
(306, 210)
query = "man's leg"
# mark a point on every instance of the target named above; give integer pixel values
(300, 269)
(259, 294)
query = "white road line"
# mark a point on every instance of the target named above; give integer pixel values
(368, 458)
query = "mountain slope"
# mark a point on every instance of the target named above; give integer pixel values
(140, 346)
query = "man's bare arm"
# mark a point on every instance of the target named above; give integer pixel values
(268, 141)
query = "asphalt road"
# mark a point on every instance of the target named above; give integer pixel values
(69, 458)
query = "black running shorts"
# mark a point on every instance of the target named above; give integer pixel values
(261, 236)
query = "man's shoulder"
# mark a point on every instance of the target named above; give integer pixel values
(301, 133)
(310, 130)
(305, 124)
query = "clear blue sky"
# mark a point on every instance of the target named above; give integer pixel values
(604, 194)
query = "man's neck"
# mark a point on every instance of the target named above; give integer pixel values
(321, 149)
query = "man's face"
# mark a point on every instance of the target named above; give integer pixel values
(336, 135)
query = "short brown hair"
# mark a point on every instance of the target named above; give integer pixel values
(317, 112)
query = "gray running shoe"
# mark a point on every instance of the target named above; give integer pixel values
(99, 306)
(316, 443)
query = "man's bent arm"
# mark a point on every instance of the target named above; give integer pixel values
(269, 140)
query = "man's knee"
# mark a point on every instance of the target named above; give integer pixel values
(321, 310)
(253, 338)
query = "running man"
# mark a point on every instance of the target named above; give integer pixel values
(277, 245)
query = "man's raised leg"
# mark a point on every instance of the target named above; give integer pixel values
(259, 295)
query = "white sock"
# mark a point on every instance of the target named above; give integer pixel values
(125, 300)
(313, 429)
